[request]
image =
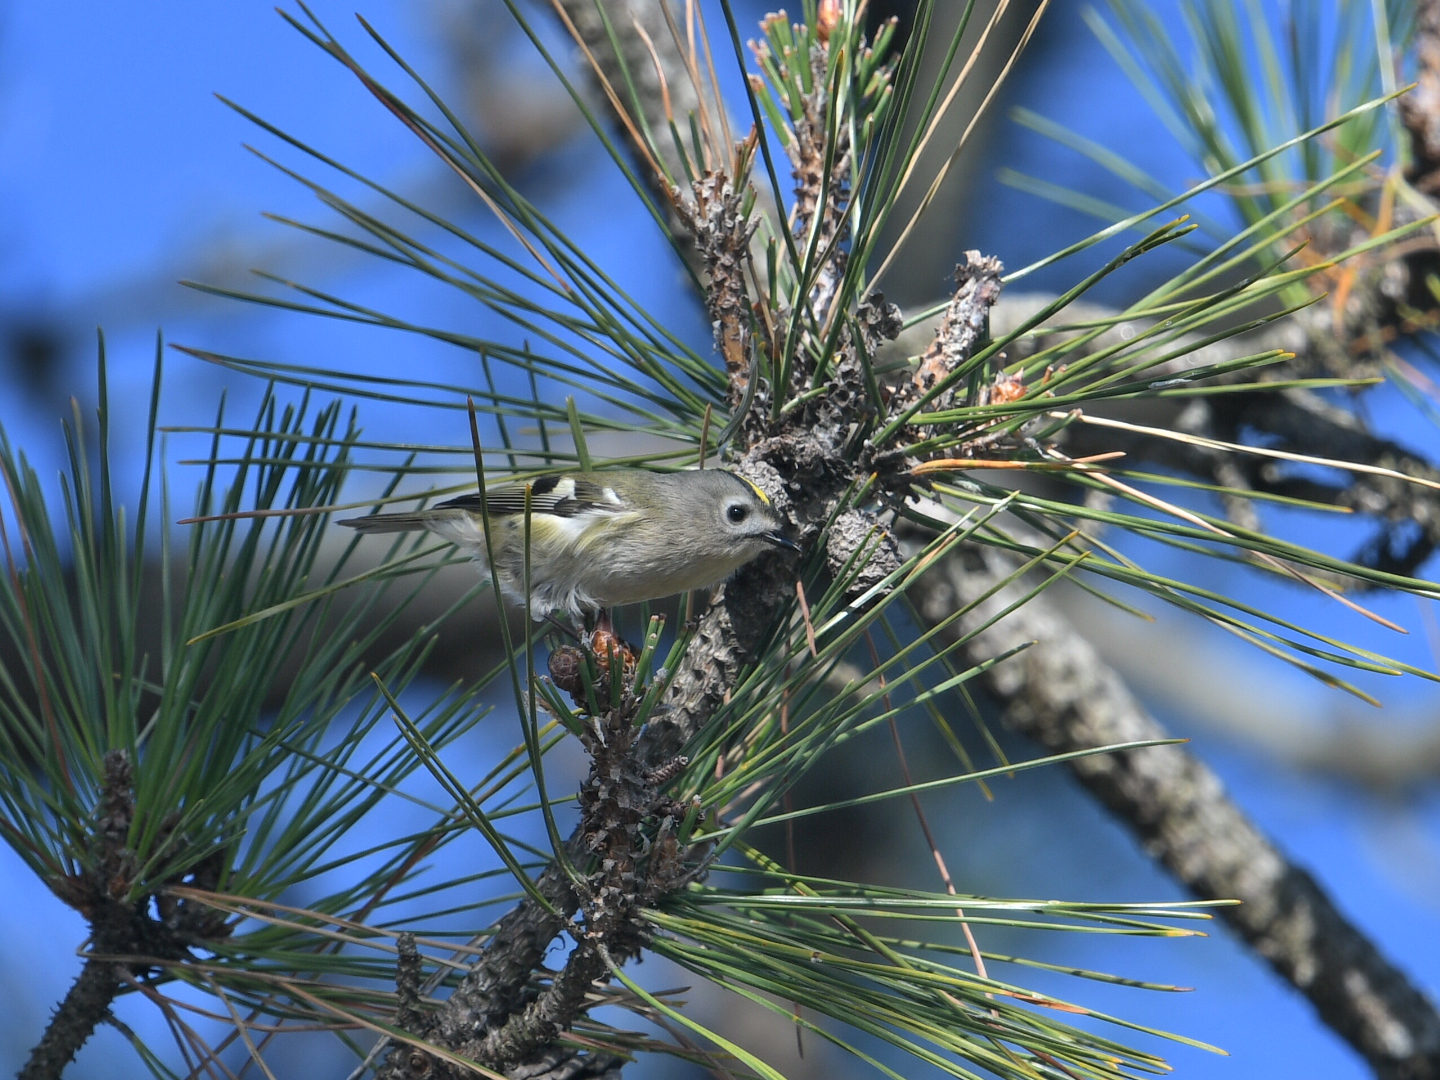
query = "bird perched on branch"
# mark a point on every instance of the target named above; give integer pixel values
(600, 539)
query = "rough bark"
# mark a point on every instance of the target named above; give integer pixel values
(1062, 695)
(495, 1009)
(120, 927)
(497, 984)
(85, 1006)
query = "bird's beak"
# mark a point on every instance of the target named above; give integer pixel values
(780, 540)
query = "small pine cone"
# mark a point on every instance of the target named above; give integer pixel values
(566, 664)
(663, 774)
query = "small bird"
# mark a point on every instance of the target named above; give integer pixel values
(600, 539)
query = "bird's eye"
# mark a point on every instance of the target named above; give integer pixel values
(737, 513)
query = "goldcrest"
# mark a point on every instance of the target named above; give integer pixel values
(601, 539)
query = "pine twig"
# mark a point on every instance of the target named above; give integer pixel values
(86, 1004)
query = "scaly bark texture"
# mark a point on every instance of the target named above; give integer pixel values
(120, 927)
(85, 1006)
(1061, 694)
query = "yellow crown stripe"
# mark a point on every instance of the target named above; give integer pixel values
(758, 493)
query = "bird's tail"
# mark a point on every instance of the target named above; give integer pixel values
(390, 523)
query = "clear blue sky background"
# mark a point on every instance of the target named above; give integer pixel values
(120, 172)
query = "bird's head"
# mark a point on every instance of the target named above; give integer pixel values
(739, 515)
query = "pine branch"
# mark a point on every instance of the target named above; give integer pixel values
(794, 471)
(86, 1005)
(492, 1016)
(1203, 838)
(496, 986)
(1061, 694)
(1301, 422)
(1293, 421)
(807, 451)
(118, 927)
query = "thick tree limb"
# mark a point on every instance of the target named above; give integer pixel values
(1061, 694)
(500, 986)
(497, 984)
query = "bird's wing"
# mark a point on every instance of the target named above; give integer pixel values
(560, 496)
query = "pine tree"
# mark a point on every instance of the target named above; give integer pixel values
(941, 470)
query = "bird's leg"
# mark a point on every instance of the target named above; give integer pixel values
(600, 627)
(602, 633)
(591, 622)
(568, 631)
(696, 605)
